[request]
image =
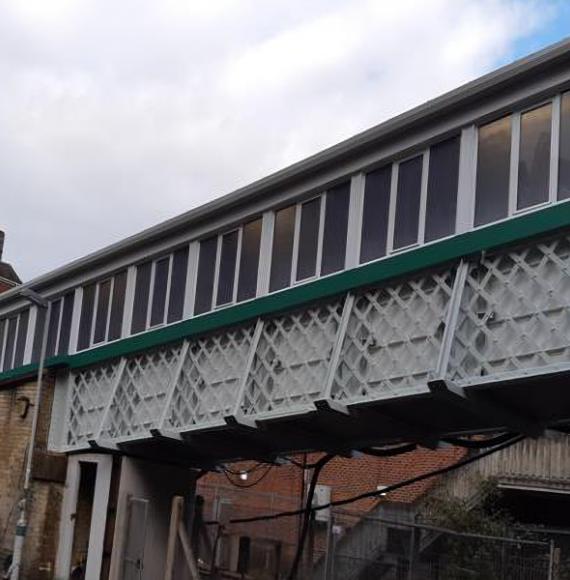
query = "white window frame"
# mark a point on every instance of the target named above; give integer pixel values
(170, 258)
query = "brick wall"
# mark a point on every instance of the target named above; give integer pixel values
(47, 487)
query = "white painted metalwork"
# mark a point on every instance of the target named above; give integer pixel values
(497, 316)
(393, 339)
(515, 312)
(291, 361)
(207, 386)
(88, 397)
(140, 395)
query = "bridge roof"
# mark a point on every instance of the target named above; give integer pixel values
(462, 97)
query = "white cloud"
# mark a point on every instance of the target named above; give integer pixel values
(115, 115)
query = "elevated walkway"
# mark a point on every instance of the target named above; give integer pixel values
(469, 346)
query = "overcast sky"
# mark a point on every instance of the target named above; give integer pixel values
(117, 114)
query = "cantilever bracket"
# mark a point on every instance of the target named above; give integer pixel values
(165, 434)
(330, 405)
(103, 444)
(240, 420)
(447, 390)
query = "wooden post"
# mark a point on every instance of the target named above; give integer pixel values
(177, 531)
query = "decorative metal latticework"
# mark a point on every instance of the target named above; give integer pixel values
(501, 314)
(393, 339)
(207, 386)
(88, 397)
(291, 361)
(140, 394)
(515, 312)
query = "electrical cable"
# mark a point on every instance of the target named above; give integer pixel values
(247, 471)
(478, 443)
(250, 484)
(383, 491)
(307, 514)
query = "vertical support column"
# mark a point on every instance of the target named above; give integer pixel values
(98, 520)
(67, 519)
(236, 416)
(326, 402)
(99, 517)
(452, 317)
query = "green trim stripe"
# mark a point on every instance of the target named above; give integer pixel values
(483, 239)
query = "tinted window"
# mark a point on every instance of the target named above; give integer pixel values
(443, 176)
(85, 322)
(103, 302)
(65, 330)
(142, 292)
(534, 157)
(493, 163)
(205, 280)
(308, 239)
(375, 214)
(408, 202)
(282, 251)
(53, 327)
(21, 339)
(249, 260)
(117, 305)
(227, 274)
(10, 340)
(564, 167)
(159, 291)
(336, 229)
(178, 284)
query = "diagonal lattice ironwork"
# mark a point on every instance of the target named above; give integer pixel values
(88, 396)
(291, 361)
(393, 339)
(515, 312)
(139, 399)
(207, 385)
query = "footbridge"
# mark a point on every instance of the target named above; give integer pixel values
(409, 283)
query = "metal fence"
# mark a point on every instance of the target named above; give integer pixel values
(368, 548)
(356, 546)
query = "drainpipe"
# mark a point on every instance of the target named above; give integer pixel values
(22, 524)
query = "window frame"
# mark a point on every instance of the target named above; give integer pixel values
(3, 343)
(515, 116)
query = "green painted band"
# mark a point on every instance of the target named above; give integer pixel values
(482, 239)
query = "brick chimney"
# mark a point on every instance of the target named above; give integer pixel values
(8, 276)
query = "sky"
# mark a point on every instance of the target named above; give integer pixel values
(116, 115)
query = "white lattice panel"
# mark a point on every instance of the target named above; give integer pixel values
(515, 312)
(291, 361)
(207, 387)
(141, 392)
(89, 392)
(393, 339)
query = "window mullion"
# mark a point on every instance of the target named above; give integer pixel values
(216, 272)
(322, 208)
(296, 235)
(554, 149)
(237, 264)
(514, 169)
(423, 197)
(392, 207)
(94, 317)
